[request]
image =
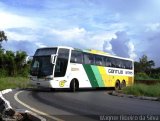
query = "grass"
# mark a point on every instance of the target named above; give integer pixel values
(143, 90)
(13, 82)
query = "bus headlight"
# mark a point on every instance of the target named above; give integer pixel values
(48, 78)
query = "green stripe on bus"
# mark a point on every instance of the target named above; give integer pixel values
(98, 76)
(90, 75)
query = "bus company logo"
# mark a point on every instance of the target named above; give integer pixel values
(114, 71)
(61, 83)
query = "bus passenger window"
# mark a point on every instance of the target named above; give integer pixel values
(108, 62)
(128, 64)
(76, 57)
(98, 60)
(88, 59)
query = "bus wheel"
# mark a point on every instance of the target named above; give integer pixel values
(52, 89)
(117, 85)
(123, 84)
(74, 85)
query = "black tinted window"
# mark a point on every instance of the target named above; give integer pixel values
(45, 51)
(89, 59)
(108, 61)
(63, 53)
(128, 64)
(99, 60)
(76, 57)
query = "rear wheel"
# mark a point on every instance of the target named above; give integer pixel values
(74, 85)
(123, 84)
(117, 86)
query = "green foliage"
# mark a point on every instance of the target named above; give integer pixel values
(143, 90)
(3, 37)
(13, 64)
(14, 82)
(141, 76)
(155, 76)
(3, 73)
(144, 71)
(144, 65)
(155, 73)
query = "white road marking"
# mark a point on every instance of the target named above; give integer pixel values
(6, 91)
(7, 104)
(33, 109)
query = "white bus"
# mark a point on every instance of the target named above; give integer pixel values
(67, 67)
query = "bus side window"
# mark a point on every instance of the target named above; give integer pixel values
(91, 59)
(113, 62)
(128, 64)
(76, 57)
(119, 63)
(108, 62)
(88, 59)
(98, 60)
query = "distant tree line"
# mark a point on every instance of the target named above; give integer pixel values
(12, 63)
(144, 69)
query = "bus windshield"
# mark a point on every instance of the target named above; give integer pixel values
(41, 65)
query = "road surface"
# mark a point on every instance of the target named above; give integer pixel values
(88, 104)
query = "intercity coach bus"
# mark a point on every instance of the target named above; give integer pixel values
(67, 67)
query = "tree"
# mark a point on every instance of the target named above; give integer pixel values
(3, 37)
(20, 61)
(145, 65)
(137, 67)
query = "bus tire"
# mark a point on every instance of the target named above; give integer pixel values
(52, 89)
(117, 85)
(123, 84)
(74, 85)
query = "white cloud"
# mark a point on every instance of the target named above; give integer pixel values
(70, 34)
(86, 39)
(152, 27)
(40, 45)
(131, 51)
(15, 36)
(10, 20)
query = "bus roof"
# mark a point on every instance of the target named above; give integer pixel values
(98, 52)
(91, 51)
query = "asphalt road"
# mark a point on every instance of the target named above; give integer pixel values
(88, 104)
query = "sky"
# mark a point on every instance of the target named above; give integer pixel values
(127, 28)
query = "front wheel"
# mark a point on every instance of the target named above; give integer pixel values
(74, 85)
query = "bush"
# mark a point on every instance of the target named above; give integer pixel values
(155, 75)
(3, 73)
(141, 76)
(14, 82)
(143, 90)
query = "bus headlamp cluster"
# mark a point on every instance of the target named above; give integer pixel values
(48, 78)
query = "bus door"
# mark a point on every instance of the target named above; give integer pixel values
(61, 63)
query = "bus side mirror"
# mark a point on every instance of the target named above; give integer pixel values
(53, 58)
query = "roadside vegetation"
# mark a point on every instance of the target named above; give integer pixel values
(14, 82)
(147, 79)
(143, 90)
(14, 68)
